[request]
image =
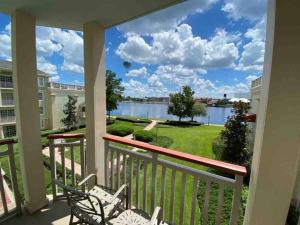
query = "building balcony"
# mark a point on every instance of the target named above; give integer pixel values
(256, 83)
(65, 86)
(7, 119)
(7, 102)
(4, 84)
(155, 176)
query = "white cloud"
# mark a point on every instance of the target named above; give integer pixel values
(252, 56)
(45, 66)
(180, 47)
(141, 73)
(166, 19)
(138, 89)
(154, 81)
(55, 78)
(47, 47)
(71, 43)
(252, 10)
(5, 43)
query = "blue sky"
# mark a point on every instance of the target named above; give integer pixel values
(215, 46)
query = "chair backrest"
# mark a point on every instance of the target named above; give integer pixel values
(84, 203)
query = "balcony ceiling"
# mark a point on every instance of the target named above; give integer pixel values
(71, 14)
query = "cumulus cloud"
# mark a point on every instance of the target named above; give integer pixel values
(252, 56)
(71, 43)
(179, 46)
(5, 43)
(141, 73)
(138, 89)
(45, 66)
(54, 78)
(251, 10)
(166, 19)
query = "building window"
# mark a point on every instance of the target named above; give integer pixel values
(9, 131)
(7, 98)
(41, 96)
(41, 82)
(41, 110)
(6, 81)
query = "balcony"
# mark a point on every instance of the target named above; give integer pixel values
(256, 83)
(7, 119)
(4, 84)
(8, 102)
(65, 86)
(155, 176)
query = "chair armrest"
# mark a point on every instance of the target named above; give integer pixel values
(87, 178)
(153, 220)
(119, 191)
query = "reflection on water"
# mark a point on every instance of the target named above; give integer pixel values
(215, 115)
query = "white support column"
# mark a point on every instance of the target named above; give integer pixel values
(27, 110)
(95, 97)
(52, 111)
(277, 146)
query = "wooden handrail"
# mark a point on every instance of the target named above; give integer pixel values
(211, 163)
(66, 136)
(7, 141)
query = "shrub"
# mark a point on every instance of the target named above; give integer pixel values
(120, 130)
(181, 123)
(144, 135)
(133, 119)
(218, 147)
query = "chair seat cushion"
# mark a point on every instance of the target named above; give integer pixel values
(131, 217)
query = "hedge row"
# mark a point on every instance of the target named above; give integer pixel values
(181, 123)
(120, 130)
(133, 119)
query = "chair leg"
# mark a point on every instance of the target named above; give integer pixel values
(71, 219)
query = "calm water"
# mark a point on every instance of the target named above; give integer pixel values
(215, 115)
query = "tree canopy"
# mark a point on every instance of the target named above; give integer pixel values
(198, 110)
(70, 119)
(114, 91)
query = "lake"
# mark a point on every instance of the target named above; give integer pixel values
(215, 115)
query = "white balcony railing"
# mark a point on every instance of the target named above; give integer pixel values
(5, 84)
(7, 119)
(65, 86)
(154, 180)
(7, 102)
(10, 203)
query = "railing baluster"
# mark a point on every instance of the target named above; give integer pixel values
(162, 193)
(145, 186)
(13, 175)
(182, 201)
(72, 166)
(154, 181)
(112, 166)
(82, 157)
(194, 200)
(172, 200)
(220, 204)
(130, 181)
(53, 167)
(118, 170)
(137, 190)
(236, 202)
(3, 195)
(204, 215)
(63, 164)
(106, 161)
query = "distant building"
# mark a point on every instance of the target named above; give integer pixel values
(52, 98)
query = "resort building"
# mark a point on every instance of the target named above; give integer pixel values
(51, 96)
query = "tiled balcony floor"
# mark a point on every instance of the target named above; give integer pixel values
(55, 214)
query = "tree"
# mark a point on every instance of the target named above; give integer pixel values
(114, 91)
(181, 103)
(235, 136)
(198, 110)
(69, 110)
